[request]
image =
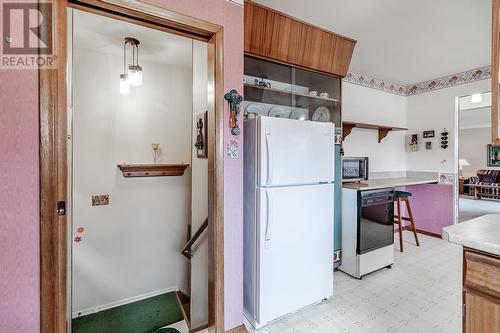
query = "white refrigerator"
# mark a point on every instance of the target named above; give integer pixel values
(288, 216)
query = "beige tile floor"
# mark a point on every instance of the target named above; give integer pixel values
(421, 293)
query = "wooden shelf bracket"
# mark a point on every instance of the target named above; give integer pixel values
(383, 131)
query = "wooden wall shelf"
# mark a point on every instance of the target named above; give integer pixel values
(383, 130)
(152, 170)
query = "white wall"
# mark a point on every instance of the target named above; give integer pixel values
(199, 195)
(436, 110)
(472, 147)
(368, 105)
(131, 247)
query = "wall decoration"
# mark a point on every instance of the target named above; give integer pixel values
(232, 149)
(446, 178)
(156, 151)
(444, 139)
(234, 99)
(428, 145)
(366, 81)
(413, 142)
(78, 239)
(493, 156)
(201, 135)
(80, 230)
(428, 134)
(482, 73)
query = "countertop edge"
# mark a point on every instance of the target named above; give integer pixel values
(389, 182)
(462, 234)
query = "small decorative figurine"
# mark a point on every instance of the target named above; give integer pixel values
(156, 151)
(234, 100)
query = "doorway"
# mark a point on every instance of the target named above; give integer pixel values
(129, 211)
(55, 197)
(477, 194)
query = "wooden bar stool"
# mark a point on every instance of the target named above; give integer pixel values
(403, 196)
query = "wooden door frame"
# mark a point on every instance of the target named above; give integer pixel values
(53, 152)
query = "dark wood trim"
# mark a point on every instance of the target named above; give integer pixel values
(53, 166)
(216, 184)
(428, 233)
(423, 232)
(53, 175)
(239, 329)
(156, 16)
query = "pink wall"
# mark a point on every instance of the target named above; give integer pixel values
(19, 192)
(230, 16)
(19, 205)
(432, 206)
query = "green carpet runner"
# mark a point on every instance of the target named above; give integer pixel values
(144, 316)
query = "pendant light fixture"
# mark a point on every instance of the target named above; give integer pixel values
(132, 75)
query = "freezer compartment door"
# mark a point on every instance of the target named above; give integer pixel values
(295, 248)
(294, 152)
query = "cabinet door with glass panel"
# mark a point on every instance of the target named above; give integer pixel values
(277, 90)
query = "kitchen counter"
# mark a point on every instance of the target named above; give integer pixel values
(389, 182)
(482, 233)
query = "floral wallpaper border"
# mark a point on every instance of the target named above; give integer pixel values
(482, 73)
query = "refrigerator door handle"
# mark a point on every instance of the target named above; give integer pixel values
(269, 220)
(269, 179)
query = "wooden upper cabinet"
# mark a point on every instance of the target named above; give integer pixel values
(276, 36)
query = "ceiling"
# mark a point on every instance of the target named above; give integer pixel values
(404, 42)
(107, 35)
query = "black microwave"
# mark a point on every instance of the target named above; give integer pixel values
(354, 169)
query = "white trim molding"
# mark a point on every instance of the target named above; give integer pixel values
(124, 301)
(448, 81)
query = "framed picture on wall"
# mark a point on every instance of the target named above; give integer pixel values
(428, 134)
(493, 156)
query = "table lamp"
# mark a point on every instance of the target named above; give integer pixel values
(461, 164)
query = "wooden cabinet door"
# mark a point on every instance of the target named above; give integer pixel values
(274, 35)
(481, 315)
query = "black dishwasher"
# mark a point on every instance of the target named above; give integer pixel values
(375, 219)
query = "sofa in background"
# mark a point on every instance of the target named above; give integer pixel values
(486, 184)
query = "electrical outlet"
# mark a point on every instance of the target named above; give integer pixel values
(100, 200)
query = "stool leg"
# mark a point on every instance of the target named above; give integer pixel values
(412, 221)
(399, 225)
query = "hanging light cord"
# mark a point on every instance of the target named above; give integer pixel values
(125, 58)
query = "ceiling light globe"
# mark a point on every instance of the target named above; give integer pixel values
(476, 98)
(124, 84)
(135, 75)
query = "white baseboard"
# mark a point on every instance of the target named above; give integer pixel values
(124, 301)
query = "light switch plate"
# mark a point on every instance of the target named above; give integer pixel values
(100, 200)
